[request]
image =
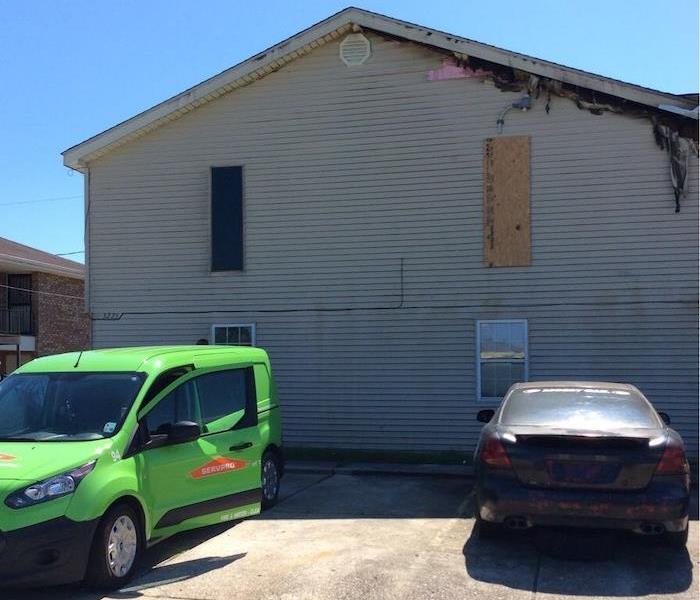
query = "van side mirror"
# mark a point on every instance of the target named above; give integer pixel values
(485, 415)
(665, 418)
(184, 431)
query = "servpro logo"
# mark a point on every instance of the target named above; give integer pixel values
(6, 456)
(218, 465)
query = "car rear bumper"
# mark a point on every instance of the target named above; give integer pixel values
(503, 499)
(48, 553)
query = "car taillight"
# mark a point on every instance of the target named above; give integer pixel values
(673, 461)
(494, 454)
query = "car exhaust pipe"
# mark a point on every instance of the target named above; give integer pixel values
(516, 523)
(652, 528)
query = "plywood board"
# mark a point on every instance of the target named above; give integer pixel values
(507, 201)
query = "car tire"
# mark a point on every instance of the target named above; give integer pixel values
(269, 479)
(487, 530)
(676, 539)
(116, 548)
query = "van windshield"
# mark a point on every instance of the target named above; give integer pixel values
(65, 406)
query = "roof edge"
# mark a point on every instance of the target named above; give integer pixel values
(272, 58)
(41, 267)
(74, 156)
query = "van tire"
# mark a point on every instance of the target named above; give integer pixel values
(269, 479)
(121, 522)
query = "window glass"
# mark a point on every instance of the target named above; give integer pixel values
(502, 356)
(497, 377)
(66, 406)
(164, 380)
(502, 340)
(178, 405)
(220, 335)
(596, 409)
(234, 335)
(245, 336)
(222, 393)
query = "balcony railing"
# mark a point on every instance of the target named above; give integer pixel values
(17, 320)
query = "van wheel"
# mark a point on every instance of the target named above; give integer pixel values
(116, 548)
(270, 479)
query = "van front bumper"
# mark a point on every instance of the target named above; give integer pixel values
(49, 553)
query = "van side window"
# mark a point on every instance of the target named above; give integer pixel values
(164, 380)
(178, 405)
(225, 393)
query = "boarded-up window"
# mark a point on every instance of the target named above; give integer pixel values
(227, 218)
(507, 202)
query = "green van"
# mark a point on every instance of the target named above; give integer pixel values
(103, 452)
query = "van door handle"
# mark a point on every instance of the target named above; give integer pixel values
(242, 446)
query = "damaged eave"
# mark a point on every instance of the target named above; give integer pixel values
(270, 60)
(514, 60)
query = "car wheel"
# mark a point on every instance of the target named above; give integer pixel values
(676, 539)
(270, 480)
(116, 548)
(485, 529)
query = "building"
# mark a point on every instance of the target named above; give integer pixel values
(408, 221)
(42, 306)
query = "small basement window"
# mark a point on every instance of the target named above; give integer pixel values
(502, 356)
(233, 335)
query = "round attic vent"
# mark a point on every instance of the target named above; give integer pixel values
(354, 49)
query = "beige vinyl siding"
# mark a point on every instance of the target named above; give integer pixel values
(348, 172)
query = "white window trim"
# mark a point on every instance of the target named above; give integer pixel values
(212, 338)
(526, 369)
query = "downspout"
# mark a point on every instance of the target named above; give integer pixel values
(86, 242)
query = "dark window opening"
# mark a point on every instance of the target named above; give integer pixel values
(17, 317)
(226, 218)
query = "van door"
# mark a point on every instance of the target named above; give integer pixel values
(216, 477)
(229, 416)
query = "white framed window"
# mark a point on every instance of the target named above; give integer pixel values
(233, 334)
(501, 356)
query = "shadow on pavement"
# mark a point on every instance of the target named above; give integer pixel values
(373, 497)
(578, 562)
(150, 573)
(161, 575)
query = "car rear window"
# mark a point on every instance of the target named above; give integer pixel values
(592, 409)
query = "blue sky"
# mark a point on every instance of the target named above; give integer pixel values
(72, 69)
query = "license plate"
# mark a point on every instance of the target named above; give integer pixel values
(573, 472)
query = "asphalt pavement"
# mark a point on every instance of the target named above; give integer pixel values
(342, 536)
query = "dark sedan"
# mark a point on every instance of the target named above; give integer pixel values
(581, 454)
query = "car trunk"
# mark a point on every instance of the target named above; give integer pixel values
(565, 459)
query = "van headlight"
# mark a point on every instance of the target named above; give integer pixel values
(53, 487)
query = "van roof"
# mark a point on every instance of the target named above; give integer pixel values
(139, 358)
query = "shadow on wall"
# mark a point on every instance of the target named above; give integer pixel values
(578, 562)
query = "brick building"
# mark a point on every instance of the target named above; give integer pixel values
(42, 307)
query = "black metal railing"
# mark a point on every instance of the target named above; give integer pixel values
(17, 319)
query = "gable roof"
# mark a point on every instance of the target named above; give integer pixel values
(16, 257)
(333, 27)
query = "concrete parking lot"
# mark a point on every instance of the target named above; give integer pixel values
(384, 537)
